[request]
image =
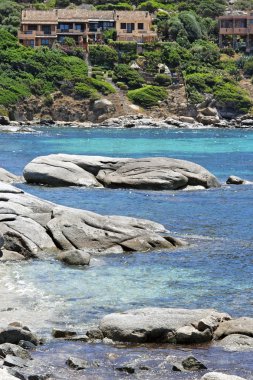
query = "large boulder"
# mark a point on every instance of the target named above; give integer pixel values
(162, 325)
(155, 173)
(30, 227)
(243, 325)
(14, 334)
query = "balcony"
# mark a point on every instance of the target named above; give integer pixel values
(31, 34)
(239, 31)
(71, 32)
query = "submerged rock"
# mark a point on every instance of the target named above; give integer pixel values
(75, 257)
(233, 180)
(31, 227)
(188, 364)
(63, 333)
(77, 363)
(152, 173)
(162, 325)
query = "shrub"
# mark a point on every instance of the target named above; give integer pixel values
(147, 96)
(132, 78)
(84, 91)
(163, 79)
(248, 67)
(122, 85)
(230, 95)
(104, 87)
(103, 55)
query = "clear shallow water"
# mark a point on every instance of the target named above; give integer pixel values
(214, 271)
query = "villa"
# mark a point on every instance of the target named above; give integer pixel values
(44, 28)
(236, 29)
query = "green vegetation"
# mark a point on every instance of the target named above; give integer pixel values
(25, 72)
(147, 96)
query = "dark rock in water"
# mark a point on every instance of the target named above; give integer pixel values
(126, 368)
(151, 173)
(220, 376)
(236, 342)
(78, 338)
(17, 373)
(77, 363)
(189, 364)
(63, 333)
(161, 325)
(243, 325)
(40, 377)
(14, 361)
(15, 335)
(14, 350)
(39, 226)
(95, 334)
(27, 345)
(233, 180)
(4, 120)
(1, 241)
(75, 257)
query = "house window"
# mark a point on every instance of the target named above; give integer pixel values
(46, 29)
(79, 27)
(29, 43)
(140, 26)
(64, 27)
(130, 27)
(44, 41)
(123, 25)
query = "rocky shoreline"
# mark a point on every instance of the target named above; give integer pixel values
(129, 121)
(166, 326)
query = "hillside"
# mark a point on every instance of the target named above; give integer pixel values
(187, 47)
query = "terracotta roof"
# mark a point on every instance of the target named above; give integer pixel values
(72, 14)
(134, 15)
(31, 15)
(56, 15)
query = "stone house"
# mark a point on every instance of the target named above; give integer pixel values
(43, 28)
(235, 29)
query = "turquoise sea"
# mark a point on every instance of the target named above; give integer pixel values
(215, 270)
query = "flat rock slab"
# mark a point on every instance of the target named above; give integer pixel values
(236, 342)
(151, 173)
(8, 177)
(4, 375)
(162, 325)
(220, 376)
(30, 226)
